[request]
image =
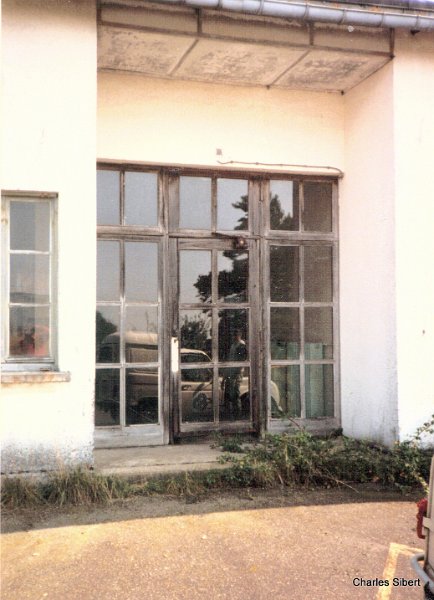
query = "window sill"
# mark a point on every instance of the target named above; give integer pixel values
(35, 376)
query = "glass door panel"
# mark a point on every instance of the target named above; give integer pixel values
(214, 381)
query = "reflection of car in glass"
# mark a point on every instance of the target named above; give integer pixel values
(196, 389)
(142, 382)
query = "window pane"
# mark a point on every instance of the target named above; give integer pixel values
(30, 278)
(284, 333)
(233, 335)
(235, 391)
(107, 334)
(318, 274)
(196, 395)
(195, 203)
(284, 205)
(107, 385)
(29, 331)
(108, 197)
(141, 338)
(195, 276)
(195, 336)
(30, 225)
(319, 391)
(141, 199)
(108, 274)
(284, 273)
(285, 391)
(233, 276)
(318, 324)
(232, 204)
(141, 272)
(141, 396)
(317, 206)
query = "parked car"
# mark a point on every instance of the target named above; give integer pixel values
(423, 564)
(142, 382)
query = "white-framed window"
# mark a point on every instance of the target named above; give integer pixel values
(28, 281)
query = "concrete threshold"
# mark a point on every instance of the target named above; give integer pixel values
(157, 460)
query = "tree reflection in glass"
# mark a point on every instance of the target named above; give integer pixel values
(232, 197)
(233, 276)
(195, 285)
(284, 205)
(195, 335)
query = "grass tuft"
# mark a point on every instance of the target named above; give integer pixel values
(20, 491)
(82, 486)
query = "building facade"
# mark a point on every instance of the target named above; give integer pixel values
(212, 221)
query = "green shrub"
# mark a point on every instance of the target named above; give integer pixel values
(303, 459)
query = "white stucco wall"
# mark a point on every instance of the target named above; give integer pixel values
(177, 122)
(48, 144)
(414, 193)
(387, 246)
(367, 262)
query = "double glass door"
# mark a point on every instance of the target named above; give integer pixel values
(216, 304)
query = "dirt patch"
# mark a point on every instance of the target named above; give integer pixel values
(46, 517)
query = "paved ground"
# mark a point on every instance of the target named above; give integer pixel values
(246, 546)
(157, 459)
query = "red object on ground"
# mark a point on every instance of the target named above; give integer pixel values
(422, 507)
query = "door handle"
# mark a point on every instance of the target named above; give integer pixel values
(174, 354)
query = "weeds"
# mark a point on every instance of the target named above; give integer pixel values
(17, 492)
(299, 459)
(302, 459)
(80, 486)
(233, 444)
(64, 487)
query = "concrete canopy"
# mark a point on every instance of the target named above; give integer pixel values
(200, 45)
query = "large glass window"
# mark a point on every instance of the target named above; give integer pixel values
(28, 282)
(128, 348)
(302, 309)
(127, 333)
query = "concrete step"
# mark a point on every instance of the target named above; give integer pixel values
(157, 460)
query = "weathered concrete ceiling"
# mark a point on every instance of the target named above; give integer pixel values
(208, 46)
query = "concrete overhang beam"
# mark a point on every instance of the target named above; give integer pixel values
(204, 45)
